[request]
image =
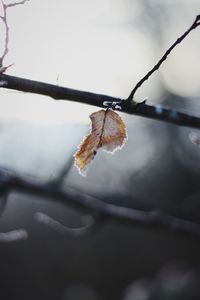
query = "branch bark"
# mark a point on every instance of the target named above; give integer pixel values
(63, 93)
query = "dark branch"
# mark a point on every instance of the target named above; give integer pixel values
(69, 197)
(195, 24)
(63, 93)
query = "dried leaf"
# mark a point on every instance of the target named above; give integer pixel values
(108, 132)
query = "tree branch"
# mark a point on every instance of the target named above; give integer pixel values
(127, 106)
(195, 24)
(80, 201)
(64, 93)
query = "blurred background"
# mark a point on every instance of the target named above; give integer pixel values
(105, 47)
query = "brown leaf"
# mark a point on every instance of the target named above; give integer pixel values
(108, 131)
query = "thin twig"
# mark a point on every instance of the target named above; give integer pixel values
(63, 93)
(70, 197)
(4, 19)
(195, 24)
(16, 3)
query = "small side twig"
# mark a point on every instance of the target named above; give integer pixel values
(16, 3)
(194, 25)
(5, 22)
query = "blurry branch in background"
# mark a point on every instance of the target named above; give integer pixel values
(5, 22)
(63, 172)
(174, 282)
(88, 224)
(194, 25)
(13, 236)
(92, 206)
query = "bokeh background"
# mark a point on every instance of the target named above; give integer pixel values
(106, 47)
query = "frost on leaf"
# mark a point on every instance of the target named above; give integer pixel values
(108, 132)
